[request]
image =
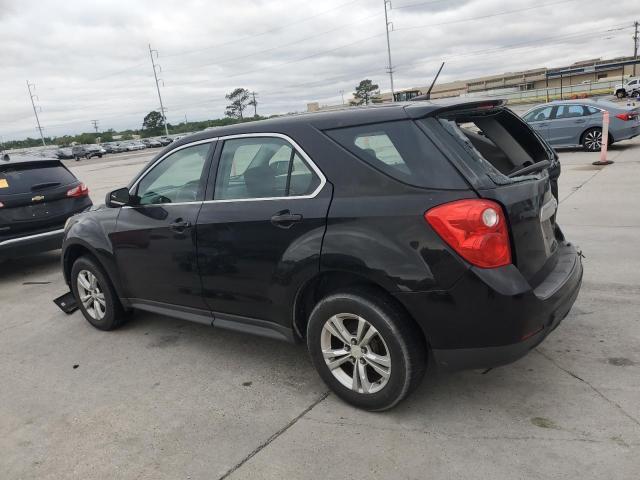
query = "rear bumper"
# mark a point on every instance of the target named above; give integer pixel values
(30, 244)
(493, 317)
(626, 133)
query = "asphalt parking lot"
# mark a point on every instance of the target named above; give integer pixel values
(167, 399)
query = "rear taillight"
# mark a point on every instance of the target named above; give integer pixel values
(626, 116)
(475, 228)
(79, 191)
(1, 204)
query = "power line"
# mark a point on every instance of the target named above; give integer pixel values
(266, 32)
(155, 75)
(371, 72)
(482, 17)
(260, 52)
(414, 5)
(317, 54)
(35, 110)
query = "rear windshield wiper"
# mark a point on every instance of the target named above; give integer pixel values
(41, 186)
(535, 167)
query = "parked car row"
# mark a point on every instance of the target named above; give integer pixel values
(89, 151)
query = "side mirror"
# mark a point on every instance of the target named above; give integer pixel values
(118, 198)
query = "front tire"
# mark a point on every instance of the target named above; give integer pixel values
(95, 295)
(621, 93)
(366, 349)
(592, 140)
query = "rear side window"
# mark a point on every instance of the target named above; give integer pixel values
(262, 167)
(33, 177)
(570, 111)
(401, 150)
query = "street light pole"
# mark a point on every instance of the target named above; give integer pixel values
(635, 47)
(155, 75)
(390, 67)
(35, 110)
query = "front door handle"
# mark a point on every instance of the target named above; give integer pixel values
(580, 121)
(285, 219)
(179, 226)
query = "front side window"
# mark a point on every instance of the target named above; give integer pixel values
(262, 167)
(175, 179)
(538, 115)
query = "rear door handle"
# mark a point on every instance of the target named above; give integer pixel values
(286, 219)
(179, 226)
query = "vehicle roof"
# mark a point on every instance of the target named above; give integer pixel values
(342, 117)
(606, 104)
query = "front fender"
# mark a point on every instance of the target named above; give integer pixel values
(90, 233)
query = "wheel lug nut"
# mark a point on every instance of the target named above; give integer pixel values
(347, 348)
(362, 360)
(353, 341)
(364, 349)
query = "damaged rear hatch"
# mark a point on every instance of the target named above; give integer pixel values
(506, 161)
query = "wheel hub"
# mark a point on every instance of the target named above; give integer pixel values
(355, 353)
(91, 295)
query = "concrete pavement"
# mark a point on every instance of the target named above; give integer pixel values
(167, 399)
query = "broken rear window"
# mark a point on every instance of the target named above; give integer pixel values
(499, 144)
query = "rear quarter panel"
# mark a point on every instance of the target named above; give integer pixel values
(386, 239)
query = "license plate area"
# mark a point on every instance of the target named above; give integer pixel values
(39, 211)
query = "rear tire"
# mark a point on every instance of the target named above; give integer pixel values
(377, 354)
(95, 296)
(621, 94)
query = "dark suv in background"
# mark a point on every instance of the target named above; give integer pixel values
(380, 236)
(37, 196)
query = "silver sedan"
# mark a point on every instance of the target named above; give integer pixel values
(578, 123)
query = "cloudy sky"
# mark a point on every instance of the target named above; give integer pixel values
(90, 59)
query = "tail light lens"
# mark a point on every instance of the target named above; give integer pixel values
(475, 228)
(626, 116)
(79, 191)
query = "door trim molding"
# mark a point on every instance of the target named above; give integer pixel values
(226, 321)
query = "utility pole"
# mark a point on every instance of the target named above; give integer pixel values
(95, 125)
(390, 67)
(185, 119)
(255, 104)
(635, 47)
(35, 110)
(155, 75)
(342, 95)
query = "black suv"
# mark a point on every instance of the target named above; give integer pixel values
(380, 236)
(37, 196)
